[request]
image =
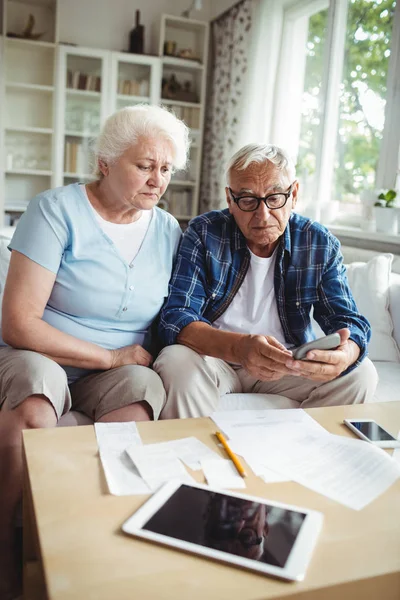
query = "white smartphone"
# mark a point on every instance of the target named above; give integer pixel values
(329, 342)
(370, 431)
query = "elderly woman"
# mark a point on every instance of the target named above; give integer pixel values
(88, 274)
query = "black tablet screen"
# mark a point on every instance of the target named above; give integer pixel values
(254, 530)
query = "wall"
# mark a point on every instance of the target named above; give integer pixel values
(107, 23)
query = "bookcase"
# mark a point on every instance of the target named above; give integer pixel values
(81, 107)
(183, 48)
(55, 97)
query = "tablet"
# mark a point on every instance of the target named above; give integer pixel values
(249, 532)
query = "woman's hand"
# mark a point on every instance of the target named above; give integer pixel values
(130, 355)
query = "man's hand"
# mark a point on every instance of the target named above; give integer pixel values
(263, 357)
(325, 365)
(130, 355)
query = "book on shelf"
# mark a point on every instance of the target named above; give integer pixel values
(180, 202)
(75, 158)
(82, 81)
(75, 80)
(132, 87)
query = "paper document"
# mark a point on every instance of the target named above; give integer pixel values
(291, 443)
(235, 422)
(396, 455)
(115, 437)
(349, 471)
(190, 450)
(121, 475)
(158, 465)
(222, 474)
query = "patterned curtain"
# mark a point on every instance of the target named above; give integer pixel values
(230, 39)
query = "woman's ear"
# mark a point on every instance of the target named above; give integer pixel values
(103, 167)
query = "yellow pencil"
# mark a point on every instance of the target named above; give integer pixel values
(231, 454)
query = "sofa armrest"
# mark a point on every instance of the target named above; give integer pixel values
(394, 305)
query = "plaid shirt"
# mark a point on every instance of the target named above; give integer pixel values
(212, 262)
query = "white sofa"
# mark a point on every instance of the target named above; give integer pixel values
(375, 282)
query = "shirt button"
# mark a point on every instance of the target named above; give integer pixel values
(131, 287)
(213, 295)
(297, 303)
(125, 308)
(131, 266)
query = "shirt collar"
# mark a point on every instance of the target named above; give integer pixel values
(239, 241)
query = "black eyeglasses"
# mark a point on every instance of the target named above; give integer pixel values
(272, 201)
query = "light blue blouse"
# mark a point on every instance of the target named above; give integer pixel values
(97, 296)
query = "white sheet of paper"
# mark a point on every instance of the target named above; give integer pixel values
(349, 471)
(115, 437)
(190, 450)
(222, 474)
(233, 422)
(396, 455)
(158, 465)
(121, 475)
(270, 476)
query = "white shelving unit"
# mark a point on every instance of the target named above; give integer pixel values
(27, 102)
(81, 108)
(183, 85)
(134, 79)
(54, 99)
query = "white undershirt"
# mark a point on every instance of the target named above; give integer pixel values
(127, 237)
(253, 309)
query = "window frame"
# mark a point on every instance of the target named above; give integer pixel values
(286, 121)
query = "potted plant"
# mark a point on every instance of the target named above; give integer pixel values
(386, 213)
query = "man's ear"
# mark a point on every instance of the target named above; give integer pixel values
(228, 199)
(295, 191)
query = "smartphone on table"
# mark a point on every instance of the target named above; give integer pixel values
(329, 342)
(370, 431)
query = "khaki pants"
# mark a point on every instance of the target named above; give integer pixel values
(194, 384)
(24, 373)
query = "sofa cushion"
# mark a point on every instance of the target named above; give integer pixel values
(255, 401)
(369, 283)
(394, 305)
(388, 389)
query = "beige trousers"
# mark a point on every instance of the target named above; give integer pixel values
(24, 373)
(194, 384)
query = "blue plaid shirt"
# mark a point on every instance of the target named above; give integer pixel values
(212, 262)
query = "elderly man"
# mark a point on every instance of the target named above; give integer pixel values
(245, 281)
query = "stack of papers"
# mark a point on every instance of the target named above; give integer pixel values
(292, 444)
(278, 445)
(133, 468)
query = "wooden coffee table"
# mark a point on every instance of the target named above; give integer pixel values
(74, 548)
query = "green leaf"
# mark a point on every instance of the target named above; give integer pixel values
(390, 195)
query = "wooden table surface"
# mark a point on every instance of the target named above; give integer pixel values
(84, 555)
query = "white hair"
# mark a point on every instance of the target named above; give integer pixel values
(260, 153)
(123, 129)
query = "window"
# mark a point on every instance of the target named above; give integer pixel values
(310, 107)
(337, 105)
(362, 100)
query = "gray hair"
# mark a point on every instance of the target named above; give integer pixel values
(260, 153)
(123, 129)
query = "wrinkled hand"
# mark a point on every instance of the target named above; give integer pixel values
(263, 357)
(325, 365)
(130, 355)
